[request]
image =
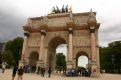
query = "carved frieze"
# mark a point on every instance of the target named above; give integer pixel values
(34, 41)
(81, 20)
(35, 26)
(81, 41)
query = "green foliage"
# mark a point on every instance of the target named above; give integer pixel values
(14, 47)
(60, 61)
(8, 45)
(7, 56)
(105, 58)
(115, 48)
(17, 48)
(110, 57)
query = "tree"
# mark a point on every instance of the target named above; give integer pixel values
(115, 48)
(15, 47)
(110, 57)
(60, 61)
(8, 45)
(105, 61)
(7, 56)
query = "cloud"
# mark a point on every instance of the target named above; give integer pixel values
(110, 34)
(11, 22)
(14, 14)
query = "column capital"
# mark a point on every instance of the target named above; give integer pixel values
(92, 30)
(43, 32)
(26, 33)
(70, 30)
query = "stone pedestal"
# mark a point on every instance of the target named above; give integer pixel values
(94, 69)
(70, 64)
(40, 63)
(22, 63)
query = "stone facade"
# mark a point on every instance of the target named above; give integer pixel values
(78, 30)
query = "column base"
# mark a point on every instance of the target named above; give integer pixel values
(94, 69)
(70, 64)
(22, 63)
(40, 63)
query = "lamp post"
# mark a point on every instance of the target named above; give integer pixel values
(113, 59)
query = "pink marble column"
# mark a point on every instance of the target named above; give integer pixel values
(24, 49)
(70, 47)
(41, 51)
(70, 50)
(93, 55)
(93, 44)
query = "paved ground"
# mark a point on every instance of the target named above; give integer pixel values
(8, 73)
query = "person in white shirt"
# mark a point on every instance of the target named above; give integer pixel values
(3, 67)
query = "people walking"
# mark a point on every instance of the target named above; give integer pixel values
(42, 72)
(3, 67)
(20, 73)
(49, 72)
(15, 68)
(38, 70)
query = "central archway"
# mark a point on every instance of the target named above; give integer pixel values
(53, 44)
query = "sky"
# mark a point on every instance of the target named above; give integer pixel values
(14, 14)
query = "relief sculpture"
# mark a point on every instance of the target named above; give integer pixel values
(81, 41)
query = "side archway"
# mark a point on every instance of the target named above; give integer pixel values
(82, 58)
(33, 58)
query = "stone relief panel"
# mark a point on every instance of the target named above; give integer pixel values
(57, 22)
(35, 24)
(34, 40)
(81, 41)
(81, 20)
(81, 33)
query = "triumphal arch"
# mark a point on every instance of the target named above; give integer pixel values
(43, 34)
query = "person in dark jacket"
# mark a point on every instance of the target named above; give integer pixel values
(49, 72)
(42, 72)
(20, 73)
(38, 70)
(15, 68)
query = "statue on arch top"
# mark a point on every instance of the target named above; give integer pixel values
(92, 14)
(70, 9)
(53, 10)
(45, 20)
(66, 8)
